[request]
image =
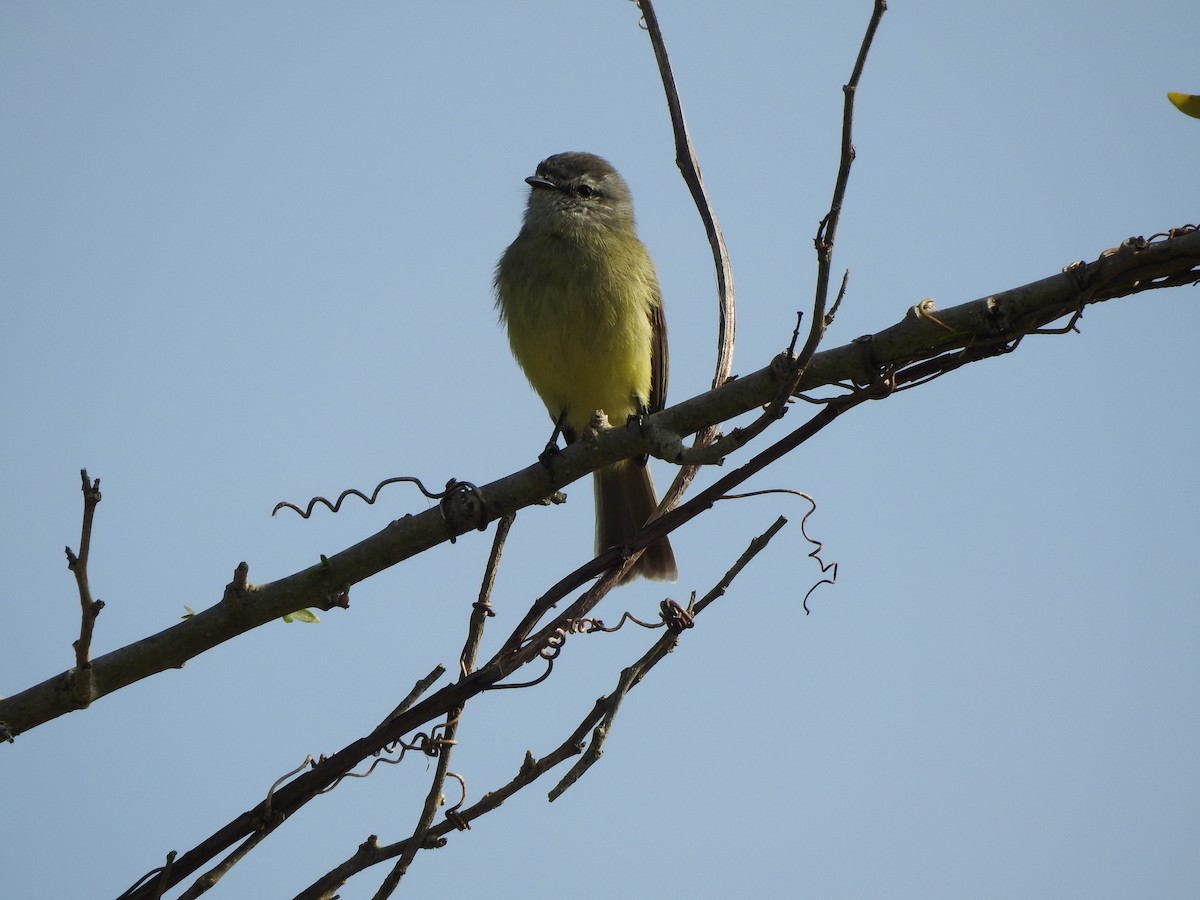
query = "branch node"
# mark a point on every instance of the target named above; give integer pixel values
(240, 586)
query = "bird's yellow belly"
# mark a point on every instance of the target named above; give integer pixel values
(585, 356)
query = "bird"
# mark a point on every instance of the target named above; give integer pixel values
(579, 296)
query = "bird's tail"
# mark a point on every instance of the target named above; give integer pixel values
(624, 501)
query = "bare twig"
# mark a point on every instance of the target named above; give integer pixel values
(817, 546)
(417, 690)
(89, 609)
(209, 879)
(631, 676)
(371, 852)
(481, 612)
(823, 243)
(432, 800)
(481, 609)
(756, 547)
(820, 319)
(689, 167)
(827, 231)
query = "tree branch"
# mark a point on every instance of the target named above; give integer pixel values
(987, 326)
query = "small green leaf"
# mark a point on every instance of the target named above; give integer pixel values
(302, 615)
(190, 612)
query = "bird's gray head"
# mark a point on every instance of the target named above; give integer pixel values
(572, 191)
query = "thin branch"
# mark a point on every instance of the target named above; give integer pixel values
(689, 167)
(824, 241)
(209, 879)
(417, 690)
(631, 676)
(81, 681)
(481, 609)
(371, 852)
(819, 321)
(826, 235)
(433, 799)
(757, 545)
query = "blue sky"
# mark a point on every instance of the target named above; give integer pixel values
(245, 256)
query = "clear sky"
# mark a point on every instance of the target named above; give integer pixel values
(245, 256)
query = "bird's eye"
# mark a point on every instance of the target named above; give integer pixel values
(585, 191)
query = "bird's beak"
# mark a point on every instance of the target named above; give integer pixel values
(537, 181)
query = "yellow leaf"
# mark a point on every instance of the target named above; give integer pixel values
(1187, 103)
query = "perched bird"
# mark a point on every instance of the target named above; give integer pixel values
(581, 301)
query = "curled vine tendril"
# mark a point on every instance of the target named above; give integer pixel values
(355, 492)
(815, 554)
(461, 502)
